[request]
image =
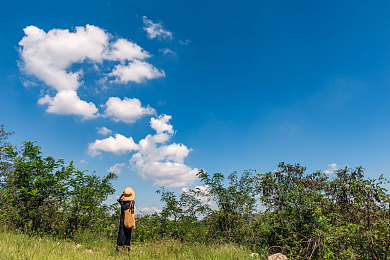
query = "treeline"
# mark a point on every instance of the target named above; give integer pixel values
(303, 215)
(43, 195)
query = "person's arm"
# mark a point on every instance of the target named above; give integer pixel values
(121, 196)
(132, 207)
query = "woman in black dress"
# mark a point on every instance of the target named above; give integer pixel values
(124, 235)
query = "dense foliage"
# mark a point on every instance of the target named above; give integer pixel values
(306, 216)
(42, 195)
(303, 215)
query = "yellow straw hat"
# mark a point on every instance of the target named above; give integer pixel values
(129, 194)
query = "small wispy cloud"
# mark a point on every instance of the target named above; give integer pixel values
(155, 30)
(148, 210)
(186, 42)
(167, 51)
(332, 168)
(104, 130)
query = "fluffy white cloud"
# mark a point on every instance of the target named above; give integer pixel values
(161, 162)
(66, 102)
(152, 152)
(125, 50)
(49, 56)
(161, 124)
(155, 30)
(332, 168)
(104, 130)
(136, 71)
(154, 158)
(117, 145)
(116, 168)
(168, 174)
(127, 110)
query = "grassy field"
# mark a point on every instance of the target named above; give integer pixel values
(20, 246)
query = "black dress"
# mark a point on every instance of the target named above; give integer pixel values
(124, 234)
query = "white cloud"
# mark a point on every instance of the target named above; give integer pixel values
(104, 131)
(332, 168)
(154, 159)
(49, 56)
(163, 163)
(161, 124)
(155, 30)
(167, 51)
(66, 102)
(148, 210)
(127, 110)
(117, 145)
(186, 42)
(116, 168)
(136, 71)
(169, 174)
(125, 50)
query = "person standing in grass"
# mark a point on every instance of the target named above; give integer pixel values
(127, 204)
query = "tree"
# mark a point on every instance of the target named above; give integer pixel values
(5, 167)
(36, 187)
(236, 203)
(44, 195)
(4, 163)
(87, 192)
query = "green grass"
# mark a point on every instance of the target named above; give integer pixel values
(20, 246)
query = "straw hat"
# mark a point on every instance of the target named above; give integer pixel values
(129, 194)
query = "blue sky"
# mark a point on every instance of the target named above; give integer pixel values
(247, 85)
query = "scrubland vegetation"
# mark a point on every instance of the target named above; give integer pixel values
(21, 246)
(48, 207)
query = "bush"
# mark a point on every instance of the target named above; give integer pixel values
(41, 195)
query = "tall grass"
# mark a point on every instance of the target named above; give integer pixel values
(20, 246)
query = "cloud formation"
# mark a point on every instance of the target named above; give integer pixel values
(155, 30)
(164, 163)
(166, 51)
(58, 58)
(117, 145)
(161, 124)
(104, 131)
(332, 168)
(49, 57)
(116, 168)
(136, 71)
(154, 159)
(127, 110)
(148, 210)
(66, 102)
